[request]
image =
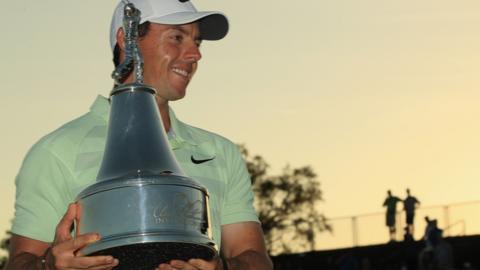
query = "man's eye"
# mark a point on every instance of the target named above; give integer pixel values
(178, 38)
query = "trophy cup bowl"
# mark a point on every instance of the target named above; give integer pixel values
(147, 221)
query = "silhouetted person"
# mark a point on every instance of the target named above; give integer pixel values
(432, 233)
(410, 252)
(391, 204)
(437, 253)
(409, 205)
(407, 236)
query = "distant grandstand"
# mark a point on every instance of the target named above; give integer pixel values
(361, 242)
(456, 219)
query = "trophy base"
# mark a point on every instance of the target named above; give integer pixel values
(147, 256)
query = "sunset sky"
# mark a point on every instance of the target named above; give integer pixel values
(374, 95)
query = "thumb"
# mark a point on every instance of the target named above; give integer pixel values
(62, 233)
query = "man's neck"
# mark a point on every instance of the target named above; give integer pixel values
(165, 115)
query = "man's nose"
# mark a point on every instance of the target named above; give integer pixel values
(192, 53)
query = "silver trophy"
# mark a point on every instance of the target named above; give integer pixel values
(143, 205)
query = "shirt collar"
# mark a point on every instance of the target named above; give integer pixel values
(180, 130)
(101, 107)
(185, 136)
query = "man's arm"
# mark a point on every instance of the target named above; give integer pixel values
(243, 247)
(26, 253)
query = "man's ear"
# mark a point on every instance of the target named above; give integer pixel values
(121, 39)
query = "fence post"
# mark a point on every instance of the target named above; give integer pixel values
(446, 216)
(354, 231)
(398, 226)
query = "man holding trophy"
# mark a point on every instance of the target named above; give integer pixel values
(67, 161)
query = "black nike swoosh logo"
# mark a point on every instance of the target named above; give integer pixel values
(200, 161)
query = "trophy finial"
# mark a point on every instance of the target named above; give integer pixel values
(133, 56)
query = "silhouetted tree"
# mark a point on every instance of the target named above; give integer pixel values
(287, 205)
(4, 246)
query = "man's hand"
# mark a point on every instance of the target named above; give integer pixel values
(62, 254)
(64, 251)
(192, 264)
(243, 246)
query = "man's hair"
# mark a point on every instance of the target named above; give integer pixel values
(142, 31)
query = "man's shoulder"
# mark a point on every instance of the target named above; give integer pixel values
(411, 199)
(69, 137)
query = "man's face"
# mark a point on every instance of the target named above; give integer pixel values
(171, 54)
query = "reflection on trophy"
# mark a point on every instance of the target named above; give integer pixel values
(142, 204)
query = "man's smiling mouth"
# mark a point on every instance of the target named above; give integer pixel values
(181, 72)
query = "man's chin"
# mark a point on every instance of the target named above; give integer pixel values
(179, 92)
(171, 93)
(178, 95)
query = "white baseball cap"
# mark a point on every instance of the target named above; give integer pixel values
(213, 25)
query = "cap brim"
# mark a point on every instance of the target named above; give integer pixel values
(213, 25)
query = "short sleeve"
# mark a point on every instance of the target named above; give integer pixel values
(41, 195)
(238, 205)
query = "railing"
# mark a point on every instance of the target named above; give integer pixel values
(370, 229)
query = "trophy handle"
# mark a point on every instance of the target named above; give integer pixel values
(133, 56)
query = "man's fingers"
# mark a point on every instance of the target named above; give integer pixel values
(178, 264)
(62, 232)
(203, 264)
(192, 264)
(73, 245)
(165, 266)
(84, 240)
(198, 263)
(94, 262)
(65, 249)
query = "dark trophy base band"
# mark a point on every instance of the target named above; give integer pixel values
(147, 256)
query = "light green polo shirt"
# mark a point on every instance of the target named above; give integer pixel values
(67, 160)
